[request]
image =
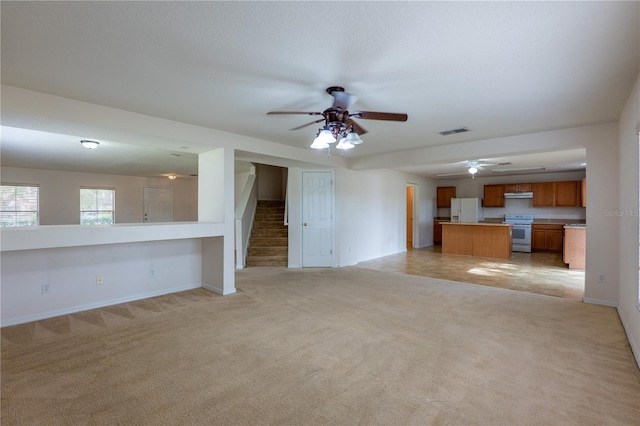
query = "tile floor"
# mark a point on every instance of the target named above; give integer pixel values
(542, 273)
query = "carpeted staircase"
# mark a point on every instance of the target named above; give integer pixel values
(269, 244)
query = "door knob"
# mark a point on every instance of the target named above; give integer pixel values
(305, 224)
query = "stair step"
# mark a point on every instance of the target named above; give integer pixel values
(269, 216)
(269, 242)
(269, 251)
(269, 233)
(270, 206)
(269, 224)
(267, 261)
(274, 209)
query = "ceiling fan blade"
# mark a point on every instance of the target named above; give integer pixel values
(293, 112)
(308, 124)
(373, 115)
(358, 128)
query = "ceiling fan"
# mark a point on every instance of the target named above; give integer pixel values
(472, 167)
(339, 125)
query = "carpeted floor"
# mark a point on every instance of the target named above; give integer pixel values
(325, 346)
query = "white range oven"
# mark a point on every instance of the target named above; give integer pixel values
(521, 231)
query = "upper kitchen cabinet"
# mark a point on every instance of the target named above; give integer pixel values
(568, 194)
(583, 198)
(557, 194)
(517, 187)
(444, 194)
(494, 196)
(543, 194)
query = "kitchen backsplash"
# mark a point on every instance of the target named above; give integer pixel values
(525, 206)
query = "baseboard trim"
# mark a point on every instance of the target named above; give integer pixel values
(599, 302)
(217, 290)
(102, 304)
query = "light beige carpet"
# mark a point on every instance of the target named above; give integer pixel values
(325, 346)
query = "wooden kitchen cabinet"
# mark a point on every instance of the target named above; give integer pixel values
(546, 237)
(583, 190)
(557, 194)
(493, 196)
(444, 194)
(478, 239)
(567, 194)
(517, 187)
(437, 232)
(543, 194)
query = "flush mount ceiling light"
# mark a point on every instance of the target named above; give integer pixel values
(89, 144)
(172, 176)
(339, 125)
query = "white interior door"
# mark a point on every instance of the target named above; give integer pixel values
(317, 218)
(158, 204)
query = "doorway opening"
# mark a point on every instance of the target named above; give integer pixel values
(411, 233)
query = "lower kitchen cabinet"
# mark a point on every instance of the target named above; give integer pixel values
(546, 237)
(437, 232)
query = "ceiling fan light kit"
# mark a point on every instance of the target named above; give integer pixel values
(323, 138)
(473, 168)
(339, 125)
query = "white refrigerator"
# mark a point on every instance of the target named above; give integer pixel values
(466, 210)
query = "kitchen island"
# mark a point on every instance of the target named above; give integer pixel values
(478, 239)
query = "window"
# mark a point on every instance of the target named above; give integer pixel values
(19, 205)
(97, 206)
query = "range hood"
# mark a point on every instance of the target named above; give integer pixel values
(518, 195)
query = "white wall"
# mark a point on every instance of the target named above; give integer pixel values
(131, 271)
(270, 182)
(370, 214)
(627, 224)
(60, 194)
(602, 230)
(238, 186)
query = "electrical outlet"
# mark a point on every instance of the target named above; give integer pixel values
(602, 278)
(99, 279)
(152, 271)
(46, 288)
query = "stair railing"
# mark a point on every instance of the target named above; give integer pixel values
(244, 215)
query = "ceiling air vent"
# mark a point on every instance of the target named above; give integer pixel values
(454, 131)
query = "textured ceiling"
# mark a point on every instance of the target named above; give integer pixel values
(498, 68)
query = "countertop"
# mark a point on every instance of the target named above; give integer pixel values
(477, 224)
(560, 221)
(499, 220)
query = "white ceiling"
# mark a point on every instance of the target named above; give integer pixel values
(498, 68)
